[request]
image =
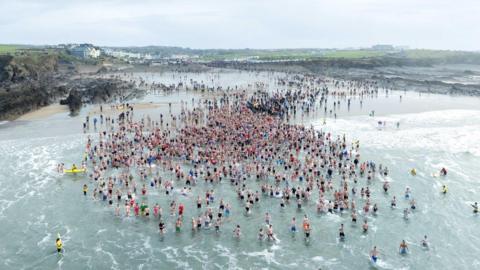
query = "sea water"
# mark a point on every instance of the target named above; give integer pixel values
(435, 131)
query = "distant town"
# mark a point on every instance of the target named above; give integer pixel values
(165, 55)
(376, 55)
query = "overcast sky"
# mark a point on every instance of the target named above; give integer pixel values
(436, 24)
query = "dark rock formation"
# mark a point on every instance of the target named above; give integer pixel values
(74, 101)
(28, 82)
(31, 81)
(95, 90)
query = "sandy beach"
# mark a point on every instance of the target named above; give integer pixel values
(44, 112)
(57, 108)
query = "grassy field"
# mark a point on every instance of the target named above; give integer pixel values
(353, 54)
(305, 54)
(422, 53)
(7, 49)
(293, 54)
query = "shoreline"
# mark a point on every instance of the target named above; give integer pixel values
(109, 110)
(43, 112)
(54, 109)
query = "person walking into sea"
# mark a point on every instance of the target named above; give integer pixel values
(374, 254)
(403, 249)
(475, 208)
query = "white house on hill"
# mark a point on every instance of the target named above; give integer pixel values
(85, 51)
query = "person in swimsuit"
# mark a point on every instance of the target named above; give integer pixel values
(393, 204)
(178, 225)
(161, 226)
(293, 226)
(424, 242)
(365, 226)
(261, 234)
(227, 210)
(341, 232)
(407, 193)
(307, 230)
(217, 224)
(374, 254)
(270, 234)
(475, 208)
(413, 205)
(237, 232)
(403, 249)
(385, 186)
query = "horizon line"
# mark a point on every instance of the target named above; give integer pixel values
(245, 48)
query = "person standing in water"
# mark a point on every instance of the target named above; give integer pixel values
(475, 208)
(237, 232)
(424, 242)
(161, 226)
(293, 226)
(341, 232)
(178, 224)
(374, 254)
(261, 234)
(403, 249)
(365, 226)
(393, 203)
(59, 244)
(270, 234)
(354, 217)
(385, 186)
(306, 227)
(85, 189)
(405, 213)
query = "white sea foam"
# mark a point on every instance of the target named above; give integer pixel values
(193, 252)
(44, 240)
(266, 255)
(225, 252)
(454, 131)
(172, 256)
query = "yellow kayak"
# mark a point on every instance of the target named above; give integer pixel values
(74, 171)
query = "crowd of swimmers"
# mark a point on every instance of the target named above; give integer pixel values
(235, 139)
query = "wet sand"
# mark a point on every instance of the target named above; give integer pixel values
(44, 112)
(107, 110)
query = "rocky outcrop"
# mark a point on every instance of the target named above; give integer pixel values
(27, 67)
(28, 82)
(96, 90)
(428, 86)
(31, 81)
(20, 99)
(74, 101)
(373, 68)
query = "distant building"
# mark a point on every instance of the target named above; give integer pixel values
(402, 48)
(84, 51)
(383, 47)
